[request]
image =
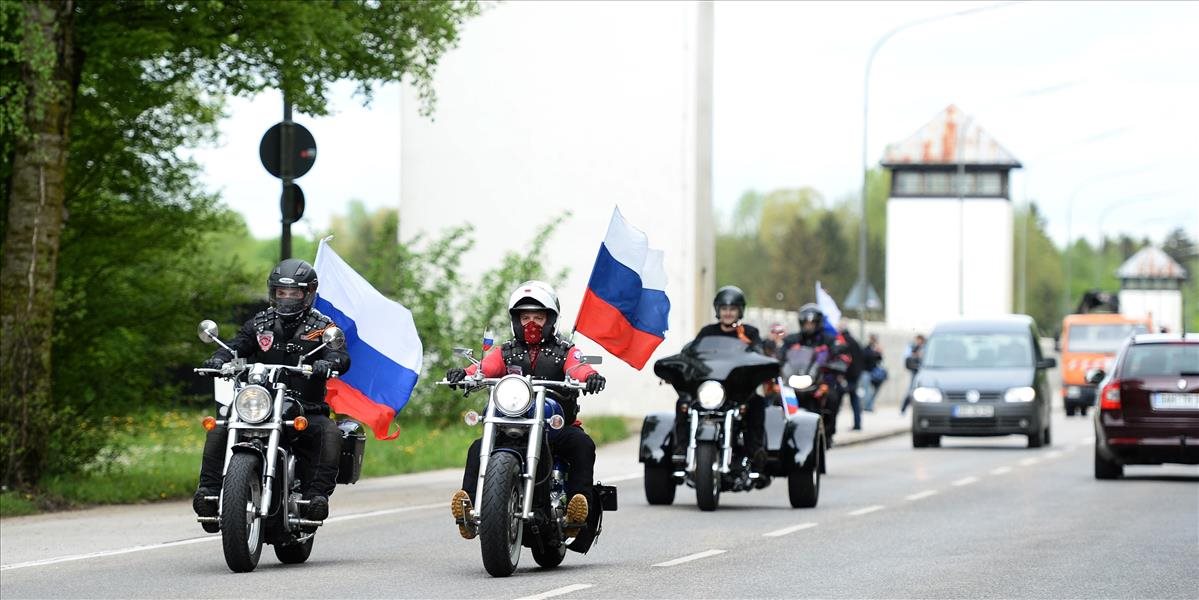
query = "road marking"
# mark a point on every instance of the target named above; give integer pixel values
(625, 477)
(1001, 470)
(965, 481)
(1090, 439)
(566, 589)
(1054, 454)
(197, 540)
(922, 495)
(1028, 462)
(867, 510)
(690, 557)
(786, 530)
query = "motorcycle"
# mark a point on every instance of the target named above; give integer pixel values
(719, 376)
(814, 364)
(521, 490)
(260, 500)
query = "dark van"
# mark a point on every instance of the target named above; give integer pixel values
(982, 377)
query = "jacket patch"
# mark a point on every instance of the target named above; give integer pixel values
(266, 339)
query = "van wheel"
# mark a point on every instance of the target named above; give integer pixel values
(1069, 411)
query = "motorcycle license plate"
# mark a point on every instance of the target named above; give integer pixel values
(1172, 401)
(973, 411)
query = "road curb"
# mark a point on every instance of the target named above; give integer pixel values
(862, 438)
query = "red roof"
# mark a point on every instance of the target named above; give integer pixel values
(937, 144)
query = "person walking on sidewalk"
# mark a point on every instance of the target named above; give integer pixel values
(915, 349)
(873, 370)
(853, 375)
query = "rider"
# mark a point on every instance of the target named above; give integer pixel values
(536, 350)
(729, 305)
(812, 334)
(281, 334)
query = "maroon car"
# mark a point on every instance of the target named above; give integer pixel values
(1148, 405)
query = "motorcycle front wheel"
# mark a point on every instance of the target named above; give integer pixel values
(241, 525)
(500, 526)
(707, 476)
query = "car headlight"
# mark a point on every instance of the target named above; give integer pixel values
(926, 394)
(253, 404)
(710, 394)
(1020, 394)
(1072, 391)
(512, 396)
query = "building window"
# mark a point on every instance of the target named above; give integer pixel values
(937, 184)
(988, 184)
(909, 183)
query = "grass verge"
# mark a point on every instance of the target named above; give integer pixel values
(156, 456)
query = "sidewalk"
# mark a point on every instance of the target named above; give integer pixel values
(884, 422)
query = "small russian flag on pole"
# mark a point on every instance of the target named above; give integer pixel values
(625, 307)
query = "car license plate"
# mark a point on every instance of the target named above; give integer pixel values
(972, 411)
(1171, 401)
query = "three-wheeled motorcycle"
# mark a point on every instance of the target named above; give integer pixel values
(717, 376)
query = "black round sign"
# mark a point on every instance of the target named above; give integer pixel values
(303, 150)
(291, 203)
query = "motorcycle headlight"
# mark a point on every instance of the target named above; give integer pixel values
(512, 396)
(926, 394)
(253, 404)
(1020, 394)
(710, 395)
(1072, 391)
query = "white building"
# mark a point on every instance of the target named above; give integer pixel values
(550, 107)
(949, 248)
(1151, 286)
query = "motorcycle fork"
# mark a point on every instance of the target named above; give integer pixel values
(272, 452)
(694, 427)
(533, 455)
(485, 447)
(726, 455)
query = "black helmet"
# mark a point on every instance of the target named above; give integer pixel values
(729, 295)
(292, 273)
(811, 313)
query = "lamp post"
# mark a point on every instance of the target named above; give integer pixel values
(865, 137)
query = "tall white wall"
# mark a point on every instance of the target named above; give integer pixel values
(547, 108)
(1164, 307)
(934, 245)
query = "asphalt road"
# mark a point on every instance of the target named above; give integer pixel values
(983, 518)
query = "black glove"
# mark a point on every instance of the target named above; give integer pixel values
(455, 375)
(212, 363)
(323, 368)
(595, 383)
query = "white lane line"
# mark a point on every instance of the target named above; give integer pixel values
(1028, 462)
(566, 589)
(922, 495)
(197, 540)
(867, 510)
(690, 557)
(625, 477)
(1090, 439)
(791, 529)
(1054, 454)
(965, 481)
(1001, 470)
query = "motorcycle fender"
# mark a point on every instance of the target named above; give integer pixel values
(708, 432)
(799, 438)
(246, 448)
(657, 435)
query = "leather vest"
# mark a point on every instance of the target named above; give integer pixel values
(551, 364)
(287, 349)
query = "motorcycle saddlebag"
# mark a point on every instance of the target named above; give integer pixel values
(353, 445)
(606, 494)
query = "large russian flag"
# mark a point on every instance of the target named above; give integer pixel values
(625, 307)
(385, 350)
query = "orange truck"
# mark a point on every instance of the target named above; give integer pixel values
(1089, 341)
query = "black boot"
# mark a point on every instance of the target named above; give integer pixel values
(206, 508)
(318, 508)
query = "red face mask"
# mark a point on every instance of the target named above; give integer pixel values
(532, 332)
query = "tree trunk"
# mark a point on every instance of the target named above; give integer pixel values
(31, 238)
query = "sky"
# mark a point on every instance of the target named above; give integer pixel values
(1099, 101)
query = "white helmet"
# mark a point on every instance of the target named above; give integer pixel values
(534, 295)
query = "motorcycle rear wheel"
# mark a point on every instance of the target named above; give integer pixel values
(241, 525)
(659, 484)
(803, 484)
(294, 554)
(707, 477)
(501, 527)
(550, 557)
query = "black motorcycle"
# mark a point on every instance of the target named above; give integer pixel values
(260, 500)
(719, 375)
(521, 489)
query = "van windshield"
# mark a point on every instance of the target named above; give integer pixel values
(1105, 339)
(978, 351)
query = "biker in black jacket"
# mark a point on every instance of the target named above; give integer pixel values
(281, 334)
(831, 384)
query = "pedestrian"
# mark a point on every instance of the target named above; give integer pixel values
(872, 368)
(853, 375)
(915, 350)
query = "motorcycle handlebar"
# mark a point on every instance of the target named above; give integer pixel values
(570, 384)
(305, 370)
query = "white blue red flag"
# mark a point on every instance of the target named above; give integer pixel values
(790, 399)
(828, 306)
(385, 350)
(625, 308)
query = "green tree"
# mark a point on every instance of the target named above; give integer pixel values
(62, 61)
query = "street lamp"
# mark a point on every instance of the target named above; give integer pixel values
(865, 136)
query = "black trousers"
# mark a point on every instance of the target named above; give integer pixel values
(570, 445)
(755, 423)
(317, 450)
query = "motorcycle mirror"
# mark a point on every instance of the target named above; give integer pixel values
(800, 382)
(334, 338)
(464, 352)
(208, 331)
(591, 360)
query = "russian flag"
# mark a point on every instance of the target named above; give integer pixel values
(385, 350)
(828, 306)
(625, 307)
